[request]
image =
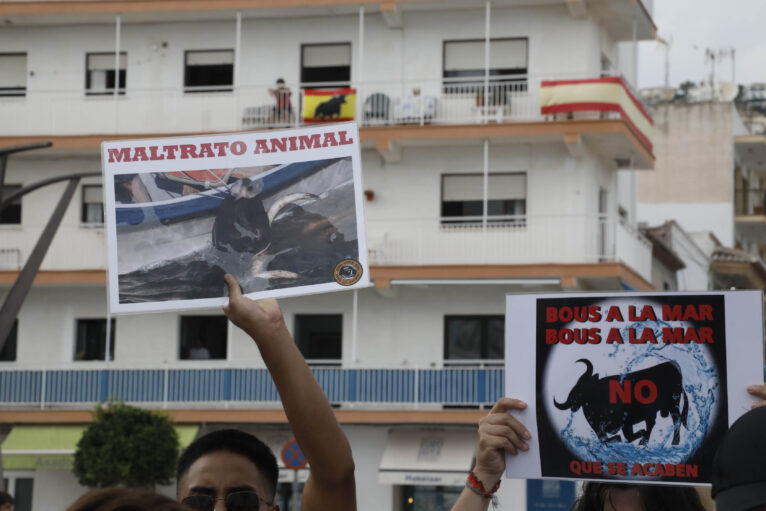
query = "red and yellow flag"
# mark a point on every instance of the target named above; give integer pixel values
(328, 105)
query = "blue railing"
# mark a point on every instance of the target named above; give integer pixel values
(177, 386)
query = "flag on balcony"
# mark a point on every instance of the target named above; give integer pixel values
(328, 105)
(608, 94)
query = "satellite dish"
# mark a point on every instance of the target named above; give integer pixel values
(727, 91)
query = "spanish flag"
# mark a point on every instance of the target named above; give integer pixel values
(328, 105)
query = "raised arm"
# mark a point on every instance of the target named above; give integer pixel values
(331, 483)
(499, 432)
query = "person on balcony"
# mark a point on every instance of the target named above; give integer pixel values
(284, 108)
(239, 469)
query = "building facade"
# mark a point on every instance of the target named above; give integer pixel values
(482, 177)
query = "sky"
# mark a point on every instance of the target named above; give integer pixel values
(694, 25)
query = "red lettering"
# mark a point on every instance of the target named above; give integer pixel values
(646, 314)
(651, 388)
(614, 314)
(206, 150)
(188, 151)
(550, 336)
(153, 153)
(343, 139)
(550, 314)
(672, 335)
(307, 142)
(260, 145)
(614, 336)
(329, 139)
(221, 146)
(619, 391)
(690, 313)
(279, 145)
(706, 313)
(119, 154)
(238, 148)
(647, 335)
(170, 151)
(139, 154)
(293, 145)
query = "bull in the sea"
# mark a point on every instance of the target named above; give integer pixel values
(607, 415)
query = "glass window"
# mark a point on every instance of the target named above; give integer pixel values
(90, 341)
(12, 213)
(92, 205)
(319, 336)
(203, 337)
(474, 337)
(326, 64)
(13, 74)
(22, 498)
(100, 77)
(463, 198)
(429, 498)
(209, 70)
(8, 353)
(463, 70)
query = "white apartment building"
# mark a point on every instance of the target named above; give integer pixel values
(488, 169)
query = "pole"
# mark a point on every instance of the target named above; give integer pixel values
(354, 323)
(487, 12)
(485, 192)
(117, 30)
(237, 71)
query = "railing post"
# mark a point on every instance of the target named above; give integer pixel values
(166, 386)
(416, 390)
(43, 382)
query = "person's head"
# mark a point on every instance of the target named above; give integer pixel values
(280, 81)
(227, 462)
(637, 497)
(119, 498)
(739, 465)
(6, 501)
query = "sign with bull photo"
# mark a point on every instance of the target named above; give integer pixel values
(630, 387)
(279, 210)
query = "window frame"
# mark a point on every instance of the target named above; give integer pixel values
(340, 84)
(197, 89)
(13, 205)
(474, 83)
(121, 75)
(516, 220)
(483, 358)
(12, 343)
(16, 92)
(185, 347)
(83, 209)
(332, 362)
(112, 336)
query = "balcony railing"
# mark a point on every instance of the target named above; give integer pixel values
(522, 239)
(502, 99)
(179, 387)
(750, 201)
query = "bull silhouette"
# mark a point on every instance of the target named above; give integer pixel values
(607, 419)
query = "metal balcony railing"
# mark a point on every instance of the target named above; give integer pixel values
(750, 201)
(181, 387)
(472, 100)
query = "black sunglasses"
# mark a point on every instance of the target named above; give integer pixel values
(235, 501)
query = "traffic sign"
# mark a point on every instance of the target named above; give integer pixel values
(292, 456)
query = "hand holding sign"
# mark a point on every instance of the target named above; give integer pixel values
(259, 319)
(499, 432)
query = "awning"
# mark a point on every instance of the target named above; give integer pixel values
(44, 447)
(427, 457)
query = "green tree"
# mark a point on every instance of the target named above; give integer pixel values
(126, 445)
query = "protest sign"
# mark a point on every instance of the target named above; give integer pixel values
(630, 387)
(279, 210)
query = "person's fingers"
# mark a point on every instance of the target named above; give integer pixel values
(758, 404)
(492, 431)
(234, 291)
(507, 420)
(508, 403)
(757, 390)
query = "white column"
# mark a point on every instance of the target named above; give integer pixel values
(237, 69)
(486, 184)
(117, 29)
(487, 13)
(354, 323)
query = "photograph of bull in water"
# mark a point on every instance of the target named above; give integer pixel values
(630, 387)
(272, 227)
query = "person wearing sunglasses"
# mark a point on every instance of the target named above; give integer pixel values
(233, 470)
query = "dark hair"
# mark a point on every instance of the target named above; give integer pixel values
(118, 498)
(280, 80)
(238, 442)
(5, 498)
(653, 498)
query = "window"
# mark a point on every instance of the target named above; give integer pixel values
(100, 77)
(463, 198)
(428, 498)
(203, 337)
(209, 71)
(11, 214)
(92, 205)
(20, 484)
(13, 74)
(474, 337)
(328, 64)
(464, 67)
(8, 353)
(90, 341)
(319, 336)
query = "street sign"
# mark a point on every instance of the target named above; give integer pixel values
(292, 456)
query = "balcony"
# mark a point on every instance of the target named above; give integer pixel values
(750, 216)
(231, 387)
(624, 132)
(507, 240)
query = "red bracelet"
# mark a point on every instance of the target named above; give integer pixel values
(477, 486)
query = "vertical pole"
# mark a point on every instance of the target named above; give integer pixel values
(485, 192)
(354, 323)
(108, 355)
(237, 68)
(635, 53)
(43, 383)
(360, 64)
(117, 30)
(487, 12)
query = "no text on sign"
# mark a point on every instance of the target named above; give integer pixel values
(292, 456)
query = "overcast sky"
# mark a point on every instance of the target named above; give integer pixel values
(714, 24)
